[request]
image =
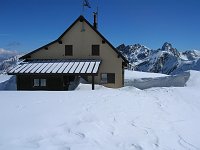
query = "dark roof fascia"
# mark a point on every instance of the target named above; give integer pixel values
(26, 55)
(49, 74)
(78, 19)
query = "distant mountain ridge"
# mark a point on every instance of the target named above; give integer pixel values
(8, 63)
(8, 59)
(167, 60)
(4, 54)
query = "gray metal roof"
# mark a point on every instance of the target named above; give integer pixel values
(57, 67)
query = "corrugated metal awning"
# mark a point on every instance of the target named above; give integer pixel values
(57, 67)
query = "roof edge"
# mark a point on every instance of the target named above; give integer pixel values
(59, 38)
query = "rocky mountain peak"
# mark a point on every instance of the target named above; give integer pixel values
(169, 48)
(167, 60)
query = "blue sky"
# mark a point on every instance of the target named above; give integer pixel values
(28, 24)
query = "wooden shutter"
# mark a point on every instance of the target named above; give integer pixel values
(68, 50)
(111, 78)
(95, 50)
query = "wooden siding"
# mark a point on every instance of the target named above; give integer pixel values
(53, 83)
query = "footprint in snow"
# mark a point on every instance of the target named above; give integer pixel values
(20, 107)
(137, 147)
(81, 135)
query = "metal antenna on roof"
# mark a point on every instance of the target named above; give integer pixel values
(97, 6)
(96, 16)
(85, 4)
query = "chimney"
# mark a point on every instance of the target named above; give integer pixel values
(95, 24)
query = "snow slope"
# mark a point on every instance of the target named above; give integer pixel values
(142, 80)
(7, 82)
(8, 59)
(131, 75)
(104, 119)
(4, 77)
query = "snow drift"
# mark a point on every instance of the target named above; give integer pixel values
(8, 83)
(178, 80)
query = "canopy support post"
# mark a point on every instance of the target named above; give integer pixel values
(92, 82)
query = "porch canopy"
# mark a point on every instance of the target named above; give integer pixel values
(61, 67)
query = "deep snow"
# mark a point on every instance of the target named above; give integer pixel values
(4, 77)
(104, 119)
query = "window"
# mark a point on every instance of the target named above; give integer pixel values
(104, 78)
(107, 78)
(42, 82)
(68, 50)
(36, 82)
(95, 50)
(39, 82)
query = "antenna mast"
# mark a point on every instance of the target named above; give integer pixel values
(97, 7)
(96, 16)
(85, 4)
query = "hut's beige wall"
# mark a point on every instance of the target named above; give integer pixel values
(82, 44)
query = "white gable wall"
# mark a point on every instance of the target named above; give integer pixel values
(82, 48)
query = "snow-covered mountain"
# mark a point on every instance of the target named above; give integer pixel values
(167, 60)
(8, 59)
(6, 64)
(7, 53)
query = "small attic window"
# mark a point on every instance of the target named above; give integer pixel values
(46, 48)
(60, 42)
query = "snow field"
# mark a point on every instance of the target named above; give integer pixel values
(108, 119)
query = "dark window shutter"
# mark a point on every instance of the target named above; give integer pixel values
(111, 77)
(68, 50)
(95, 50)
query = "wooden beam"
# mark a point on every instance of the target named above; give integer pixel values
(92, 82)
(17, 82)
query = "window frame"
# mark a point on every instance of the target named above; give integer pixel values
(95, 50)
(43, 82)
(109, 78)
(37, 82)
(68, 50)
